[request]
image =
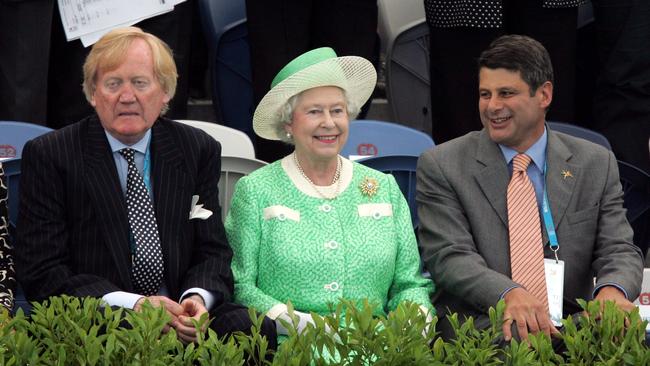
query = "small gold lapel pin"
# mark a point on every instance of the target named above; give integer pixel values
(567, 174)
(369, 187)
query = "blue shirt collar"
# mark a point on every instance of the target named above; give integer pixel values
(140, 146)
(537, 152)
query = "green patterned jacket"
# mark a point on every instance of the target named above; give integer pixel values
(290, 246)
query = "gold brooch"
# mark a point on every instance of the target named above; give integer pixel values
(369, 186)
(567, 174)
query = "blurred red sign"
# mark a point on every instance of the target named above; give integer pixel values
(644, 298)
(7, 151)
(367, 149)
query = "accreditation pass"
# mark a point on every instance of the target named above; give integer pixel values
(554, 270)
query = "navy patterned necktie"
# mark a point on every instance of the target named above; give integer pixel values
(147, 260)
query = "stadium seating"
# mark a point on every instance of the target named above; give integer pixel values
(379, 138)
(233, 142)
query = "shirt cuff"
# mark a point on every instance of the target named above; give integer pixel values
(208, 296)
(593, 295)
(121, 299)
(504, 293)
(276, 311)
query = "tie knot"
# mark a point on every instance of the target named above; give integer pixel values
(520, 162)
(128, 154)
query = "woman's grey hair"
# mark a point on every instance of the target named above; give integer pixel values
(286, 114)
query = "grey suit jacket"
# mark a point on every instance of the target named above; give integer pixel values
(461, 195)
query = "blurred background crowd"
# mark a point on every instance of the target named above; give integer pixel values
(227, 51)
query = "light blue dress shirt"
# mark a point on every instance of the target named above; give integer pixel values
(122, 166)
(535, 171)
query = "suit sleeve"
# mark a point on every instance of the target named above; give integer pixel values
(616, 259)
(243, 225)
(211, 256)
(408, 283)
(446, 240)
(42, 250)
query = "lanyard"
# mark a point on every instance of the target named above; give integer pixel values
(146, 171)
(548, 221)
(146, 177)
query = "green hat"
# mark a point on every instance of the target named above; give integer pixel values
(318, 67)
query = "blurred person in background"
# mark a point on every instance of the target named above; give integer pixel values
(7, 274)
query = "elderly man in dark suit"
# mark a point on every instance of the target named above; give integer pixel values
(123, 205)
(471, 193)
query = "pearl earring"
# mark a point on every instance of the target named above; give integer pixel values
(289, 135)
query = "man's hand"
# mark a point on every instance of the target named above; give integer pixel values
(174, 309)
(194, 308)
(528, 313)
(611, 293)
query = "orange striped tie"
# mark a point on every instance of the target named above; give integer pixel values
(526, 250)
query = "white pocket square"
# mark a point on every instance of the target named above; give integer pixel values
(197, 211)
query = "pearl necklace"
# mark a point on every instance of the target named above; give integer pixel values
(336, 179)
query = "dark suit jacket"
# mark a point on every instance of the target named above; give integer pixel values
(73, 231)
(461, 194)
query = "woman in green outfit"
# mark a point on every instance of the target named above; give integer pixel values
(315, 227)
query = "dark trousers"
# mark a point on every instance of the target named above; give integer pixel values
(229, 318)
(621, 106)
(454, 72)
(24, 53)
(281, 30)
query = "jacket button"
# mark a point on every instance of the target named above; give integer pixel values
(334, 286)
(332, 244)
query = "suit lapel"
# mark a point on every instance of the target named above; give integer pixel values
(104, 189)
(559, 184)
(493, 177)
(170, 185)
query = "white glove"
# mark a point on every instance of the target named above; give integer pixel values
(303, 320)
(426, 312)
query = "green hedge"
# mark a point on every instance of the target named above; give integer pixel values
(71, 331)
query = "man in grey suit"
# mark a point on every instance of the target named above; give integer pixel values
(462, 204)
